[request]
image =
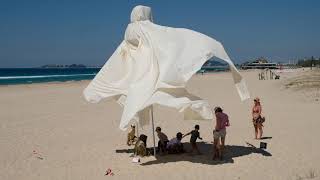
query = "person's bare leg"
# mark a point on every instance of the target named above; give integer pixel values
(193, 148)
(260, 130)
(215, 149)
(222, 147)
(256, 131)
(197, 149)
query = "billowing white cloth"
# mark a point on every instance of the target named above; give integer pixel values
(152, 66)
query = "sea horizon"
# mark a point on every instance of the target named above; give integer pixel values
(13, 76)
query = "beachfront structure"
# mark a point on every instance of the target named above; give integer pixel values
(260, 63)
(260, 66)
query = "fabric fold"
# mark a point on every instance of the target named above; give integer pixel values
(152, 66)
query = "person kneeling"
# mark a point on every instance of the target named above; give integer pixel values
(175, 146)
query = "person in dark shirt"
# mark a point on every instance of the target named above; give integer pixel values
(195, 134)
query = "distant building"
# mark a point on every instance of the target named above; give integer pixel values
(260, 63)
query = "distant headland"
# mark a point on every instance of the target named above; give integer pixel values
(68, 66)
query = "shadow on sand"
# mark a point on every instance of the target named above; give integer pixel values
(231, 152)
(262, 138)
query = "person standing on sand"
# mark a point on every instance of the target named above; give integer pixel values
(257, 119)
(195, 134)
(219, 133)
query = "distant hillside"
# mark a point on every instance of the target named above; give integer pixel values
(63, 66)
(215, 63)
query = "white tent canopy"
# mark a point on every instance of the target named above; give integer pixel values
(152, 65)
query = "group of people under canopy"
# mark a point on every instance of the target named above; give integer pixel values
(175, 146)
(152, 66)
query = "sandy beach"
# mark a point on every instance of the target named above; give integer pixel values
(48, 131)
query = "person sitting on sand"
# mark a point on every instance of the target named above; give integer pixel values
(140, 148)
(257, 119)
(219, 133)
(175, 146)
(195, 134)
(131, 136)
(163, 140)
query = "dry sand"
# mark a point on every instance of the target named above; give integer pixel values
(73, 139)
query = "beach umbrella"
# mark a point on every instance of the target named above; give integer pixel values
(152, 65)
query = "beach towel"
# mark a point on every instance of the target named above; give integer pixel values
(152, 65)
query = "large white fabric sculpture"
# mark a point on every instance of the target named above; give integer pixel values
(152, 66)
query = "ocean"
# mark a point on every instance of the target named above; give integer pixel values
(10, 76)
(40, 75)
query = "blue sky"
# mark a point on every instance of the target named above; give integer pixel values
(37, 32)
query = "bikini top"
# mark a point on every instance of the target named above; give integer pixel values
(255, 109)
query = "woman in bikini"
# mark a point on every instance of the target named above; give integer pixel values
(257, 119)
